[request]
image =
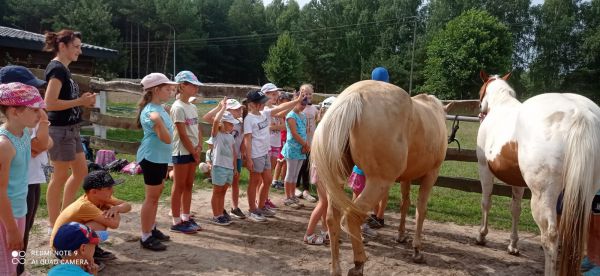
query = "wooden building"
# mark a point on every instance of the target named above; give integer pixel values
(24, 48)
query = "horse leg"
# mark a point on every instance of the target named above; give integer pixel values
(333, 224)
(487, 184)
(405, 204)
(515, 208)
(425, 187)
(544, 214)
(371, 195)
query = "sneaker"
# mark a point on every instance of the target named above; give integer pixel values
(226, 215)
(194, 224)
(270, 204)
(280, 185)
(237, 213)
(102, 255)
(256, 216)
(586, 264)
(306, 195)
(153, 244)
(373, 222)
(183, 227)
(157, 234)
(295, 199)
(220, 220)
(266, 212)
(298, 193)
(291, 203)
(367, 231)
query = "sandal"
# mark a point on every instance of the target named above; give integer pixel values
(313, 239)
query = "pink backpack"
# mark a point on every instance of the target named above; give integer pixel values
(132, 168)
(104, 157)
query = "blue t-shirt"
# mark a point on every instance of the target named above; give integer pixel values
(67, 270)
(152, 148)
(18, 179)
(292, 149)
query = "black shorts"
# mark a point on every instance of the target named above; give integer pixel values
(154, 173)
(182, 159)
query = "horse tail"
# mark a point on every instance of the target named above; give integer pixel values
(583, 144)
(330, 151)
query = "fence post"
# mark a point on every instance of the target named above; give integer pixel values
(100, 131)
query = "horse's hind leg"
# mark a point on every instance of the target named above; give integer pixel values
(371, 195)
(333, 224)
(515, 208)
(426, 185)
(543, 210)
(487, 184)
(405, 204)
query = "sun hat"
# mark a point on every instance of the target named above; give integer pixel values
(19, 94)
(155, 79)
(187, 76)
(256, 96)
(227, 117)
(232, 104)
(72, 235)
(269, 87)
(15, 73)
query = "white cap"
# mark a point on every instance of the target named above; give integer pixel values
(269, 87)
(155, 79)
(192, 99)
(203, 167)
(227, 117)
(233, 104)
(328, 102)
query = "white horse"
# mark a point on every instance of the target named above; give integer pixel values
(548, 143)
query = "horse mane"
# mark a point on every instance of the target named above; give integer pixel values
(501, 88)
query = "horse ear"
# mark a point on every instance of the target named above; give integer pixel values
(483, 75)
(507, 76)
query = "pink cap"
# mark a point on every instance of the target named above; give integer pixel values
(18, 94)
(155, 79)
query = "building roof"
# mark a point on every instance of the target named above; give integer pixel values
(20, 39)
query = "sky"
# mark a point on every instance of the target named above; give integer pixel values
(303, 2)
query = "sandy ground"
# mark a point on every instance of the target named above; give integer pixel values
(276, 248)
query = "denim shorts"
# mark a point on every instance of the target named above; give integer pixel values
(221, 175)
(261, 164)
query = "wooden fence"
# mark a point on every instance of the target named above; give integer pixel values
(101, 120)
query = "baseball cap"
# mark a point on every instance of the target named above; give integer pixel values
(155, 79)
(269, 87)
(72, 235)
(233, 104)
(192, 99)
(187, 76)
(19, 94)
(328, 102)
(256, 96)
(15, 73)
(99, 179)
(380, 74)
(227, 117)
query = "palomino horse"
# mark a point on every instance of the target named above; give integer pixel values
(390, 136)
(548, 143)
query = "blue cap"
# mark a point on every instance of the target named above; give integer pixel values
(72, 235)
(187, 76)
(15, 73)
(380, 74)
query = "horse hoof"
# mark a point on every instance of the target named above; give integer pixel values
(513, 251)
(418, 258)
(480, 241)
(402, 239)
(355, 272)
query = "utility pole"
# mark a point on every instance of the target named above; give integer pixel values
(412, 59)
(174, 50)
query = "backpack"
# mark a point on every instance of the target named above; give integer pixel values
(104, 157)
(116, 166)
(132, 168)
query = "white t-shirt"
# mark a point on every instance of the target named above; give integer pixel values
(36, 164)
(275, 135)
(310, 112)
(186, 113)
(223, 150)
(258, 126)
(238, 136)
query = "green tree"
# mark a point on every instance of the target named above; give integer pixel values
(284, 63)
(471, 42)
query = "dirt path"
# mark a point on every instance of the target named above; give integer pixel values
(276, 248)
